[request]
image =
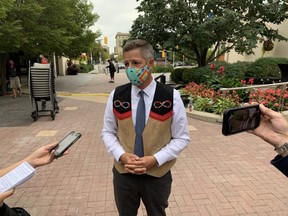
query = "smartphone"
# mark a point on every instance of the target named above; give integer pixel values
(66, 143)
(240, 119)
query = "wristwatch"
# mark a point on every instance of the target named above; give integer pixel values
(282, 150)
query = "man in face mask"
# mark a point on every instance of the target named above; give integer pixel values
(145, 129)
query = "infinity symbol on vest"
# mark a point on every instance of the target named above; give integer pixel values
(124, 104)
(159, 104)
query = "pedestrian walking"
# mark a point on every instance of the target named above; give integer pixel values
(112, 70)
(13, 79)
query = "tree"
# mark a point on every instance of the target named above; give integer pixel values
(45, 26)
(12, 30)
(99, 53)
(83, 38)
(192, 27)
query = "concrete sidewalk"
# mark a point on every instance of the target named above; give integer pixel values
(215, 175)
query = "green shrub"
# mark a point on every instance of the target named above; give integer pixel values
(236, 70)
(266, 67)
(163, 69)
(86, 68)
(196, 75)
(232, 71)
(261, 68)
(176, 75)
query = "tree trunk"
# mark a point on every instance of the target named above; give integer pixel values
(3, 61)
(201, 57)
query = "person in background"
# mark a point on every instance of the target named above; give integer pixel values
(13, 78)
(117, 66)
(273, 129)
(111, 70)
(145, 129)
(43, 59)
(40, 157)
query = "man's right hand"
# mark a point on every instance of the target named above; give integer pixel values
(133, 164)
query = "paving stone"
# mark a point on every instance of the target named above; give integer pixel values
(215, 175)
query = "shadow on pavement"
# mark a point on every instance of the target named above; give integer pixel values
(17, 112)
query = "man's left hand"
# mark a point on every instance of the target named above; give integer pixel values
(140, 166)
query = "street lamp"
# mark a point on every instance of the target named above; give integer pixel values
(100, 55)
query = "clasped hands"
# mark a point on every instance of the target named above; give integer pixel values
(137, 165)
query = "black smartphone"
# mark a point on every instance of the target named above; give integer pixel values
(239, 119)
(66, 143)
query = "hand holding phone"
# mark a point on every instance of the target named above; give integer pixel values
(240, 119)
(66, 143)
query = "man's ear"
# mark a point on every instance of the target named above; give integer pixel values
(151, 63)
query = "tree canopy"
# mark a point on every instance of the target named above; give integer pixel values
(45, 26)
(192, 27)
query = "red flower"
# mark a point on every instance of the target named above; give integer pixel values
(251, 81)
(212, 66)
(243, 82)
(222, 68)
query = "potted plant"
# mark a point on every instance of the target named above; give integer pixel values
(268, 45)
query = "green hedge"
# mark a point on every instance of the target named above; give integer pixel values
(266, 67)
(176, 75)
(86, 68)
(163, 69)
(262, 68)
(198, 75)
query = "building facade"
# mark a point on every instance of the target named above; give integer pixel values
(120, 38)
(280, 48)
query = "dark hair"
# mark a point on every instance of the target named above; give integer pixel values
(146, 49)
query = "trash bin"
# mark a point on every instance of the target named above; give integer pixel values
(284, 72)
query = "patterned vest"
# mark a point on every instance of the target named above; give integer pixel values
(157, 132)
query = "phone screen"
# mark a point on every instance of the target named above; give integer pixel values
(68, 141)
(240, 119)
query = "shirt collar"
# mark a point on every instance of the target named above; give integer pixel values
(149, 90)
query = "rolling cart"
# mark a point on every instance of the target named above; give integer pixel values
(42, 89)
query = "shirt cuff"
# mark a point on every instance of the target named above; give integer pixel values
(160, 157)
(281, 164)
(117, 154)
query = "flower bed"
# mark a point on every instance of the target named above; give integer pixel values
(209, 100)
(271, 98)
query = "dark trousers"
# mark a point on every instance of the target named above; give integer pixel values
(129, 189)
(112, 74)
(16, 211)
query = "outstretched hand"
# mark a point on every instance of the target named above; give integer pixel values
(273, 127)
(42, 156)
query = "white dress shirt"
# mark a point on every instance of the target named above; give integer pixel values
(179, 126)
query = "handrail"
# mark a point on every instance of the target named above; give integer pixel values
(254, 86)
(282, 84)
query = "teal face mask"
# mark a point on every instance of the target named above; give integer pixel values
(137, 76)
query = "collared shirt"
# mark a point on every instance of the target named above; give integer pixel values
(179, 126)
